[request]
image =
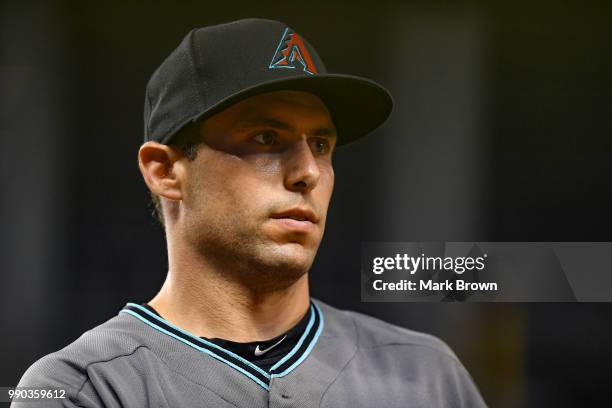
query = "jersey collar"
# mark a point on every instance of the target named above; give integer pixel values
(283, 367)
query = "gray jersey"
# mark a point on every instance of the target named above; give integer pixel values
(343, 359)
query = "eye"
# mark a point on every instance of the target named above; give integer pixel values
(320, 146)
(265, 138)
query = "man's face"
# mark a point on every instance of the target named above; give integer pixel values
(256, 196)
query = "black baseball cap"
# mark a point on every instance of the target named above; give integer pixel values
(217, 66)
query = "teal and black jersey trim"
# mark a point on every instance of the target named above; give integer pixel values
(283, 367)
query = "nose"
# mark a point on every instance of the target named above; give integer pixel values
(302, 172)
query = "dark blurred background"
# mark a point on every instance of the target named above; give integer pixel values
(501, 132)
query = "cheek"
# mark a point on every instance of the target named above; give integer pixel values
(266, 166)
(323, 192)
(326, 182)
(221, 183)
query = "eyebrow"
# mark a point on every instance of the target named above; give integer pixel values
(281, 125)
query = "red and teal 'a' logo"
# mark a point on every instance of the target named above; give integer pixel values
(291, 49)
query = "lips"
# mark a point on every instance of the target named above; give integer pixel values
(299, 220)
(301, 214)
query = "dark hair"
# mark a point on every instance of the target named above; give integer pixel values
(187, 140)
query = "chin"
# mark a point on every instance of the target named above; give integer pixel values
(290, 260)
(293, 253)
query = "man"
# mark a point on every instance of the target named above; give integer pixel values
(241, 122)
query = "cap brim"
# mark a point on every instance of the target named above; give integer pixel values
(357, 105)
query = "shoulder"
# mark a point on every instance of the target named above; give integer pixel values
(67, 368)
(371, 332)
(388, 351)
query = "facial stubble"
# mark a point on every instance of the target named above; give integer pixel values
(243, 252)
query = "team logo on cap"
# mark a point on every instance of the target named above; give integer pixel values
(292, 53)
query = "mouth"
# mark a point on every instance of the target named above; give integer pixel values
(297, 219)
(300, 214)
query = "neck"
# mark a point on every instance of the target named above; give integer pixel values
(208, 303)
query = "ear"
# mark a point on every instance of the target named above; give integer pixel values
(161, 169)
